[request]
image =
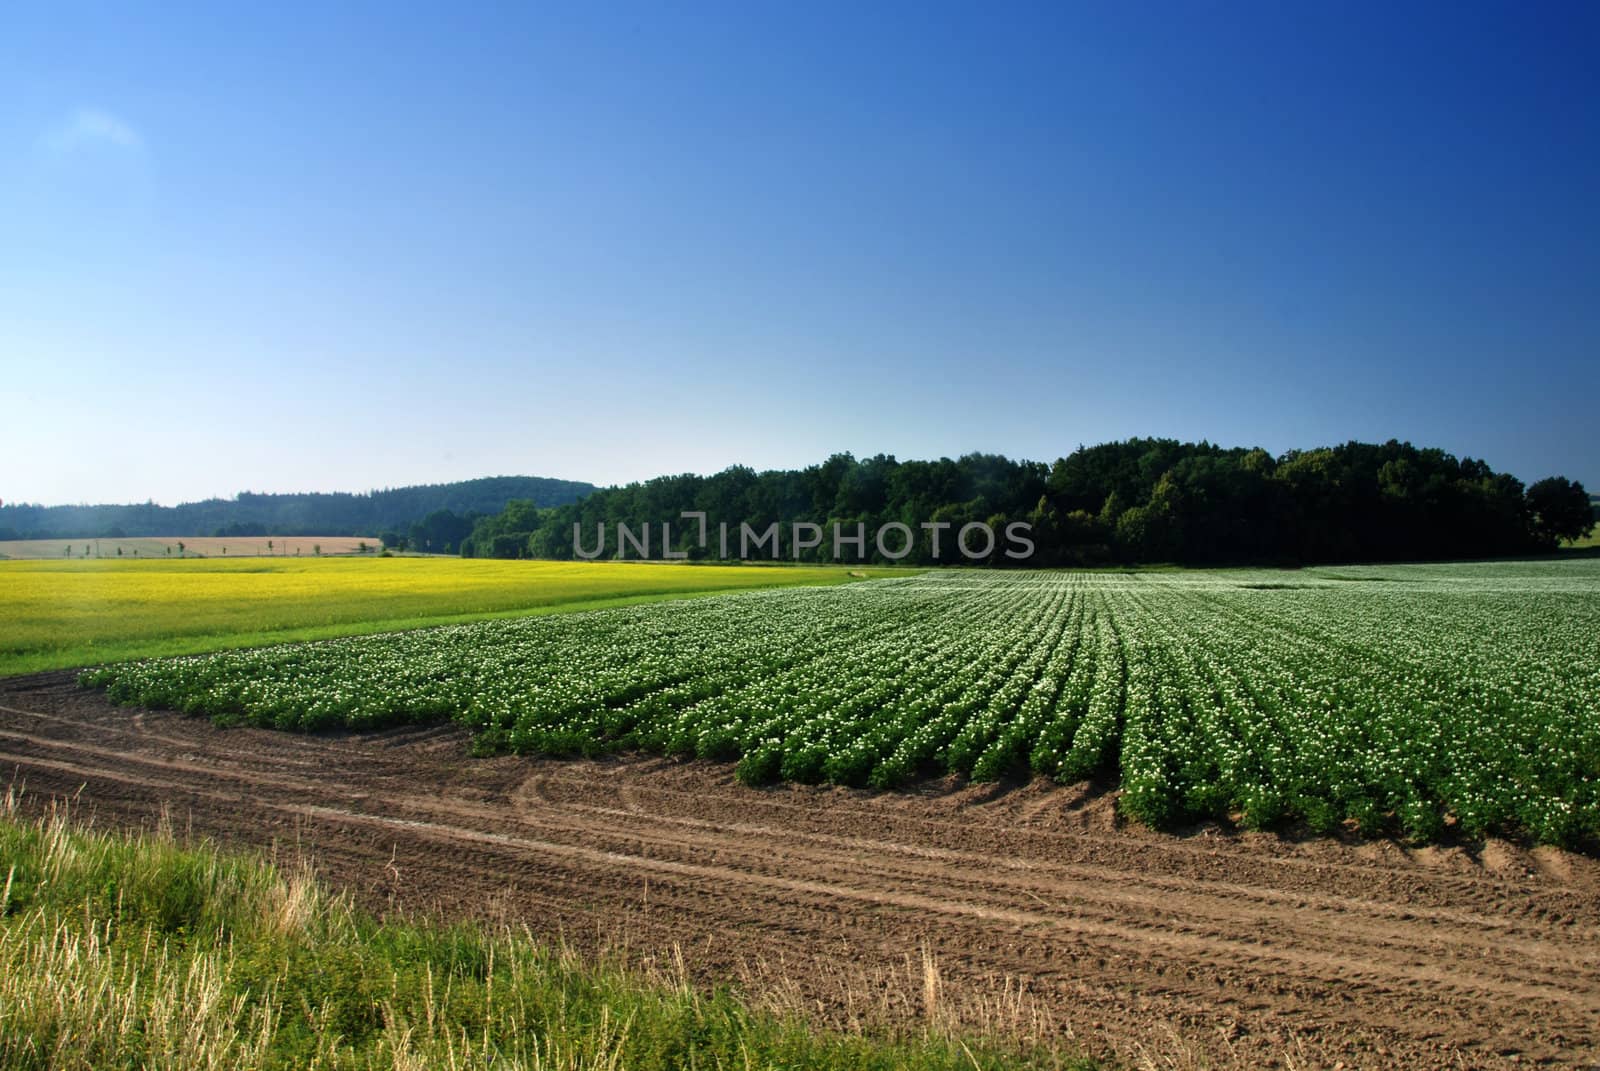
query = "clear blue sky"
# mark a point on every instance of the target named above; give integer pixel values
(333, 246)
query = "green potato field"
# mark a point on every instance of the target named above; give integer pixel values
(1429, 701)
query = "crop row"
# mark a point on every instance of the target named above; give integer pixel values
(1410, 699)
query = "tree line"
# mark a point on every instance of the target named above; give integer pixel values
(1140, 500)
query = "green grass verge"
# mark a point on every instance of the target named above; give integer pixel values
(135, 951)
(60, 615)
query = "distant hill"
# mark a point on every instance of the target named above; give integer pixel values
(366, 513)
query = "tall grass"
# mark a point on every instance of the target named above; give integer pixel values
(137, 951)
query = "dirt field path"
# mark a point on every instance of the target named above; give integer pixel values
(1032, 909)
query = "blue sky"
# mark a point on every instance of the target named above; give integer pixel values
(334, 247)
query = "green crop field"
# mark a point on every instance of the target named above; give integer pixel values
(59, 614)
(1427, 700)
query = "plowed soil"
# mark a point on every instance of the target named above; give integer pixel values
(1024, 908)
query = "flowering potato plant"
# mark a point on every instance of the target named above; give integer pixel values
(1408, 699)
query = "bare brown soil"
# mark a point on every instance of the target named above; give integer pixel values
(1031, 909)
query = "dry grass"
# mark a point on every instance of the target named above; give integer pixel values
(862, 997)
(165, 547)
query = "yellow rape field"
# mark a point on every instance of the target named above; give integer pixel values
(55, 615)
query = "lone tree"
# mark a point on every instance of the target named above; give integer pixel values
(180, 548)
(269, 546)
(1560, 509)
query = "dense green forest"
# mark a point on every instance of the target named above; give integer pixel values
(1143, 500)
(397, 508)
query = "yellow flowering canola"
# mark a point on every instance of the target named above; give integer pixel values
(57, 614)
